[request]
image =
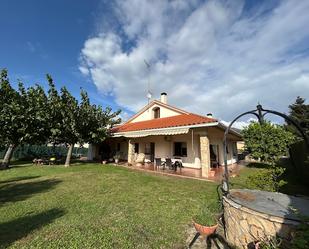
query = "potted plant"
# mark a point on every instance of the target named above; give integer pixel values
(116, 158)
(205, 222)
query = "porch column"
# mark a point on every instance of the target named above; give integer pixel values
(130, 152)
(205, 155)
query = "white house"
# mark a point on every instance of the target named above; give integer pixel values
(160, 130)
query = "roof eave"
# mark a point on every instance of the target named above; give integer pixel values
(119, 134)
(223, 126)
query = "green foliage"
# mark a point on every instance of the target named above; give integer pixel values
(299, 111)
(267, 142)
(267, 179)
(301, 236)
(30, 116)
(270, 243)
(207, 214)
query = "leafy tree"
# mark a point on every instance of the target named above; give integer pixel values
(268, 143)
(23, 117)
(299, 111)
(73, 122)
(11, 117)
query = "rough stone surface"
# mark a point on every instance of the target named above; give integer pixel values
(205, 155)
(130, 152)
(266, 215)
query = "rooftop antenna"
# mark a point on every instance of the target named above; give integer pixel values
(149, 94)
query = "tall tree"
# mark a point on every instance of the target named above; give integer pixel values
(23, 117)
(299, 111)
(84, 123)
(11, 117)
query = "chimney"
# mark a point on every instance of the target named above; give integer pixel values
(209, 115)
(164, 98)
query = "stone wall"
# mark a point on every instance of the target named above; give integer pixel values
(244, 225)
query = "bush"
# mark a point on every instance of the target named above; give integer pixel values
(267, 179)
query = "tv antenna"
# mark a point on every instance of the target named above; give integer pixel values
(149, 94)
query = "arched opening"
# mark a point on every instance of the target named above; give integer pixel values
(156, 112)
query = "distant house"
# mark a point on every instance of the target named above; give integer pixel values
(160, 130)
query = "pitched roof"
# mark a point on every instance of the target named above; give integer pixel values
(157, 102)
(159, 123)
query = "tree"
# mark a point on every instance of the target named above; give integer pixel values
(74, 122)
(11, 117)
(268, 143)
(23, 117)
(299, 111)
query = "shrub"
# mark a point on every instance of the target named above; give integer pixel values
(267, 179)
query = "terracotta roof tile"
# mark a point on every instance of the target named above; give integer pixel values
(174, 121)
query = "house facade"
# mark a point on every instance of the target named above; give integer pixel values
(160, 130)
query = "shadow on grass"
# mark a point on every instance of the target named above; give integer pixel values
(13, 192)
(14, 230)
(21, 178)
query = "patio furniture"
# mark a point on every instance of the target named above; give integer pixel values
(169, 164)
(159, 163)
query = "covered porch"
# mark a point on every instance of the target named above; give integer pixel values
(200, 150)
(216, 174)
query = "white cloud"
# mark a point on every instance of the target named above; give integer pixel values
(214, 57)
(240, 124)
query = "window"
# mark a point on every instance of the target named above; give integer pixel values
(180, 149)
(156, 112)
(136, 148)
(147, 149)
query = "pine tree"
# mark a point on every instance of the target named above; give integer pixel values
(299, 111)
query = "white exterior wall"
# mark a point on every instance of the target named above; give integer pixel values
(164, 147)
(216, 138)
(148, 114)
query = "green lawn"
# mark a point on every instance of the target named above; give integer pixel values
(96, 206)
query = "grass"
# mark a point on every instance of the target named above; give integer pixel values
(95, 206)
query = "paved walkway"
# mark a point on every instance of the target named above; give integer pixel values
(187, 172)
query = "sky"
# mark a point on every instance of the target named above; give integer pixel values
(222, 57)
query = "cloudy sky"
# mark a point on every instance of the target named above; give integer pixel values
(209, 56)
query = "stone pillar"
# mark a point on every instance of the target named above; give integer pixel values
(130, 152)
(205, 155)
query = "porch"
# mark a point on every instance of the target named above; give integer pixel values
(200, 150)
(215, 174)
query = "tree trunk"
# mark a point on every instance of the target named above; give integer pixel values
(69, 155)
(8, 155)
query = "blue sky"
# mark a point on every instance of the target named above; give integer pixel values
(40, 37)
(209, 56)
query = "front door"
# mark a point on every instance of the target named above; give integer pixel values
(152, 151)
